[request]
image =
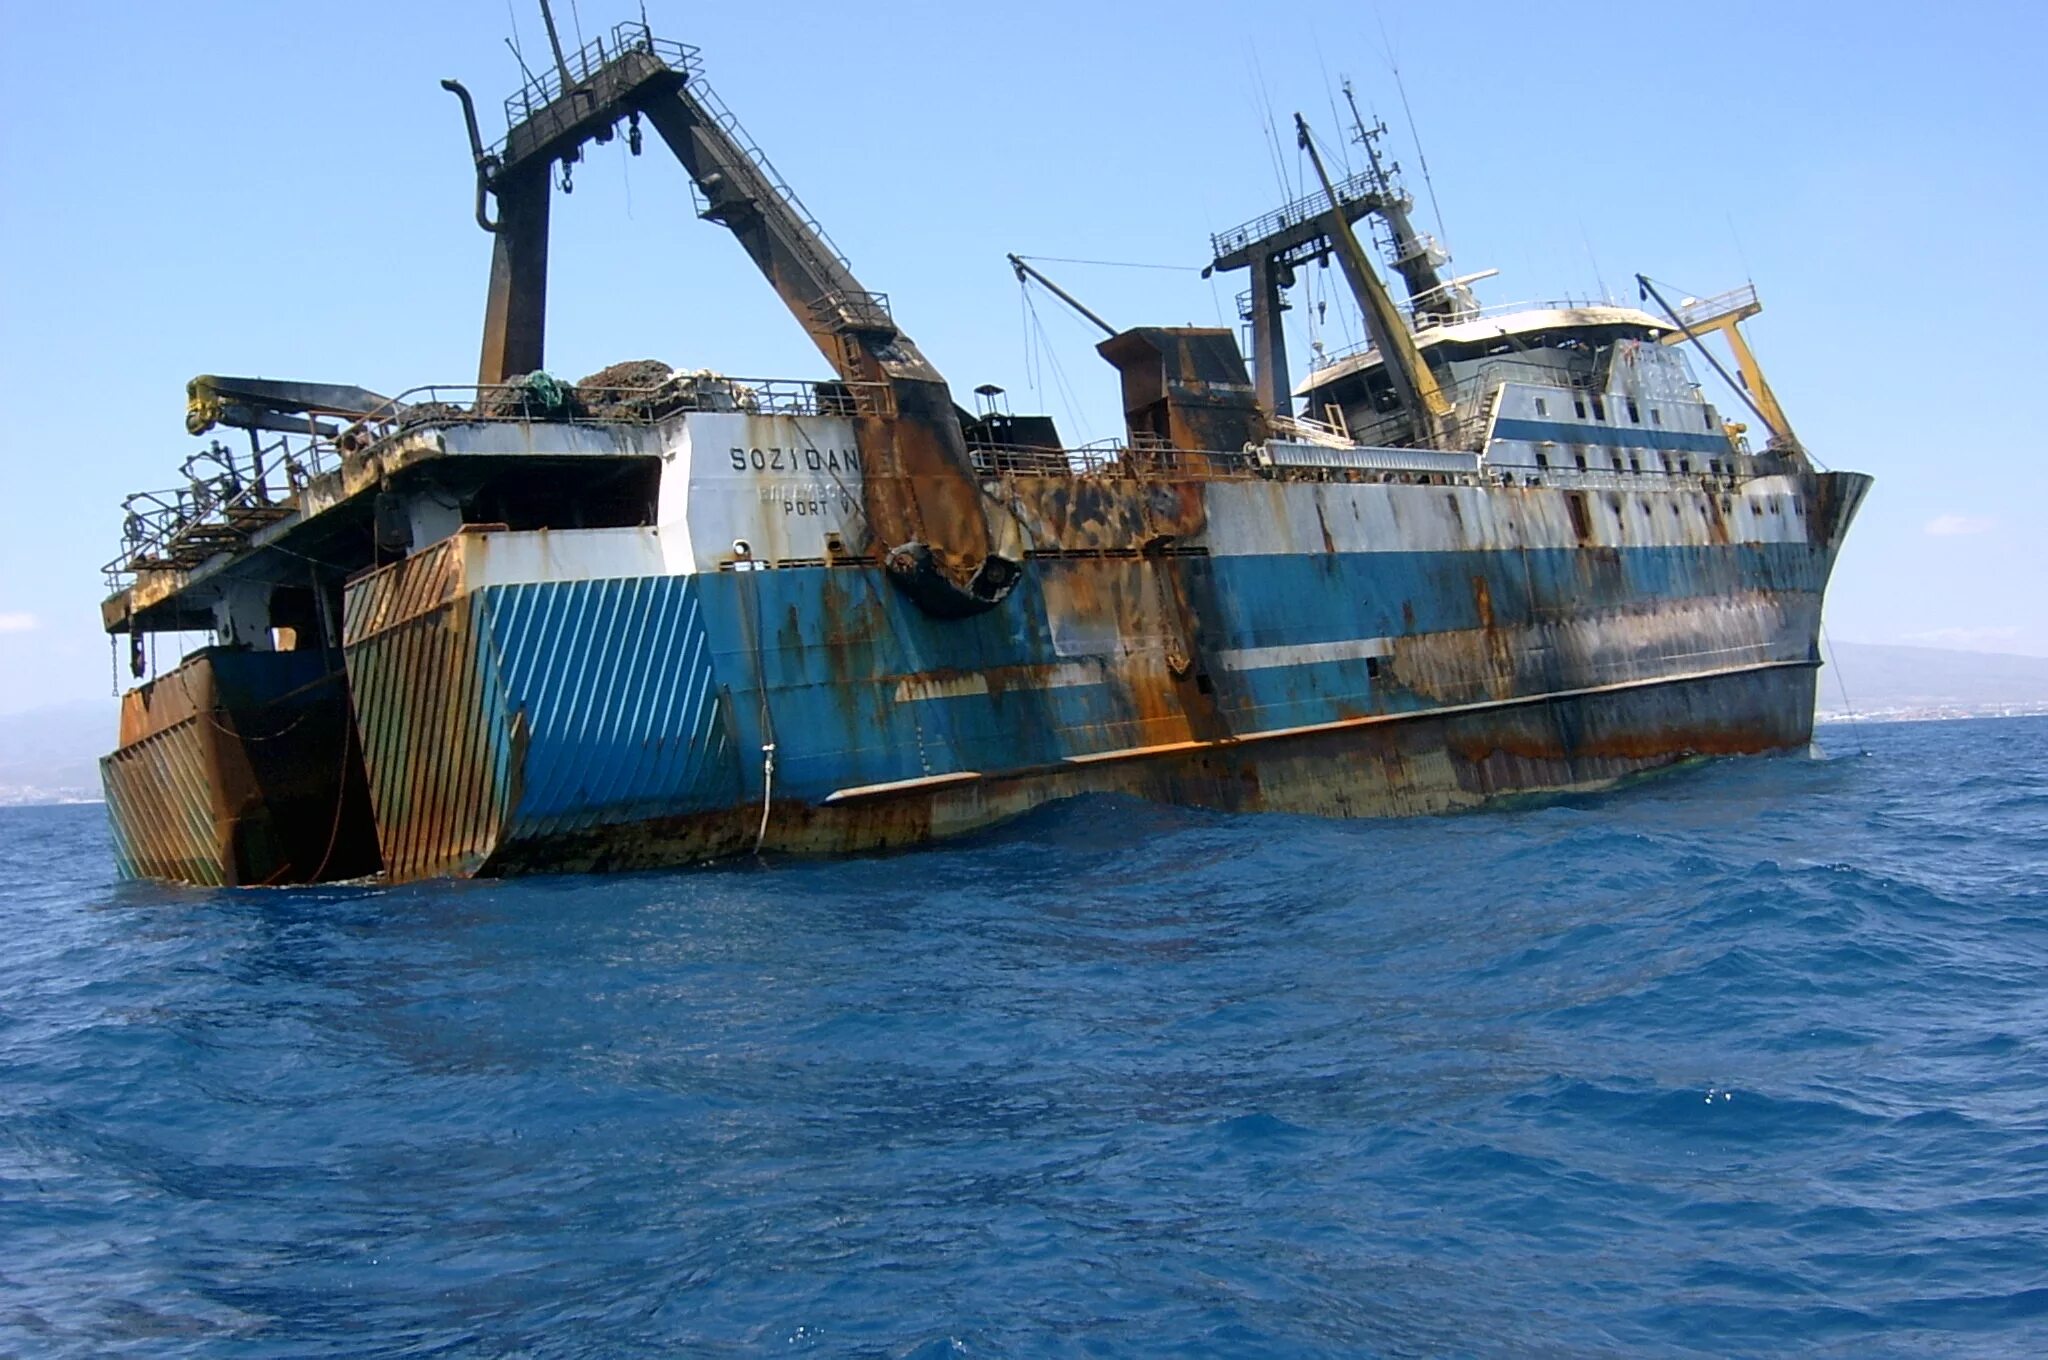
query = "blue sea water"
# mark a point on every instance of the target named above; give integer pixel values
(1747, 1058)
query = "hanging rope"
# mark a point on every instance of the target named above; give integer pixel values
(767, 792)
(1066, 393)
(1855, 723)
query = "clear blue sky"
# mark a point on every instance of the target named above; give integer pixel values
(283, 190)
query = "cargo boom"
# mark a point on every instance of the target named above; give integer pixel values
(659, 616)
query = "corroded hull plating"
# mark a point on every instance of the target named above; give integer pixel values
(553, 701)
(239, 768)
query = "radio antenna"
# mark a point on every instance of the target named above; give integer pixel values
(1421, 156)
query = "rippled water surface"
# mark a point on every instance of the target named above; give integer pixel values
(1751, 1057)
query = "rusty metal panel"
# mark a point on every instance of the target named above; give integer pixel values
(239, 768)
(429, 716)
(161, 794)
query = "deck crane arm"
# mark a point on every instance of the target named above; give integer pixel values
(1429, 408)
(1697, 318)
(274, 404)
(922, 498)
(851, 326)
(920, 495)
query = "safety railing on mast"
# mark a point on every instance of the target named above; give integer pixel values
(540, 92)
(1291, 215)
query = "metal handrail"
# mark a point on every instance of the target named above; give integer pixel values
(1302, 210)
(468, 403)
(1699, 311)
(162, 526)
(708, 99)
(543, 90)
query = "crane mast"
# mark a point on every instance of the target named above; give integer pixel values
(1430, 410)
(1414, 258)
(921, 498)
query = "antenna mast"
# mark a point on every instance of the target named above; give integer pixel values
(547, 16)
(1429, 410)
(1416, 254)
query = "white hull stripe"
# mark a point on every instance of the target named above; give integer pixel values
(1303, 653)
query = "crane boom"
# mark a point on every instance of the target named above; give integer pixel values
(921, 497)
(1417, 387)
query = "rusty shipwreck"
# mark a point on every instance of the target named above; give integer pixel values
(662, 616)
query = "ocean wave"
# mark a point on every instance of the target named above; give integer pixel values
(1743, 1059)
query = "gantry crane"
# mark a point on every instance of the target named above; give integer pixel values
(921, 498)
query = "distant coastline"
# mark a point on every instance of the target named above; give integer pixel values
(1836, 716)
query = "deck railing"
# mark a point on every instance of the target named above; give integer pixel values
(222, 504)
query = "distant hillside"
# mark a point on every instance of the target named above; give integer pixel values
(1931, 682)
(51, 755)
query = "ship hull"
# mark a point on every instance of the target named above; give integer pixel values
(1411, 765)
(533, 703)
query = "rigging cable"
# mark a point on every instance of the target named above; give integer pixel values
(1024, 328)
(1421, 157)
(1287, 193)
(1351, 342)
(1323, 69)
(348, 748)
(1112, 264)
(1855, 723)
(1066, 394)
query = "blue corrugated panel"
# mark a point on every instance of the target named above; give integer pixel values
(610, 702)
